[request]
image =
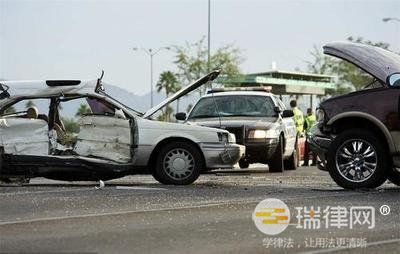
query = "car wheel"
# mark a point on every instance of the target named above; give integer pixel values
(292, 162)
(244, 163)
(394, 177)
(178, 163)
(357, 159)
(276, 164)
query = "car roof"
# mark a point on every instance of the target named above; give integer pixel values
(48, 88)
(238, 93)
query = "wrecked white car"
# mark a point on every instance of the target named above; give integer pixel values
(111, 140)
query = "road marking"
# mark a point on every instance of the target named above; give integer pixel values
(139, 188)
(40, 192)
(120, 213)
(231, 202)
(370, 244)
(83, 189)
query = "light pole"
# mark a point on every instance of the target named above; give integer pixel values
(208, 37)
(151, 52)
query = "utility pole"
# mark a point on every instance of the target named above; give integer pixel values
(151, 53)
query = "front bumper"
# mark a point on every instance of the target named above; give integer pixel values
(319, 143)
(222, 156)
(260, 151)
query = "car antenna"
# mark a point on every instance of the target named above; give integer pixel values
(216, 105)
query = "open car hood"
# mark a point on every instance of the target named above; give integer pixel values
(185, 90)
(378, 62)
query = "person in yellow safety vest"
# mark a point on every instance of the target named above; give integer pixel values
(309, 122)
(298, 122)
(298, 117)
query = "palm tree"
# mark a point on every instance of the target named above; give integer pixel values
(169, 83)
(82, 110)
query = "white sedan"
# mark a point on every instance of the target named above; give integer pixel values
(113, 140)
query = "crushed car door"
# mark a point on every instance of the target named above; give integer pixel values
(23, 136)
(106, 137)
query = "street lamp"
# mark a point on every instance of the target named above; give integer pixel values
(151, 52)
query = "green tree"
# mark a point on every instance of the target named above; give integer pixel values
(191, 61)
(169, 83)
(349, 76)
(10, 110)
(29, 104)
(71, 126)
(82, 110)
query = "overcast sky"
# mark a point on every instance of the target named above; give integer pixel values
(76, 39)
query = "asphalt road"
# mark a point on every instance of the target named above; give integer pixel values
(214, 215)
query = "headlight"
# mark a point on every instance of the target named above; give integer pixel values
(320, 115)
(259, 134)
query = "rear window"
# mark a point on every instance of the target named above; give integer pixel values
(243, 105)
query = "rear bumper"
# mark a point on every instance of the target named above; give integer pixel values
(222, 156)
(319, 143)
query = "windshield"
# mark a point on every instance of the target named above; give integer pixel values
(243, 105)
(110, 97)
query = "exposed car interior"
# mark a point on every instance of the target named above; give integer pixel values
(98, 129)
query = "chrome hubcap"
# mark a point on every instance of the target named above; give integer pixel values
(356, 160)
(178, 164)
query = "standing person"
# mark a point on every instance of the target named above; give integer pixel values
(298, 117)
(298, 122)
(309, 122)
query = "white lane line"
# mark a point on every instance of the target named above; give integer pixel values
(231, 202)
(85, 189)
(139, 188)
(370, 244)
(120, 213)
(41, 192)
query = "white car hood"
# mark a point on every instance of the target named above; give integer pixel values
(185, 90)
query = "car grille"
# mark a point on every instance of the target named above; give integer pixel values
(239, 133)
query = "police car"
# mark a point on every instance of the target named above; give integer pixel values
(258, 119)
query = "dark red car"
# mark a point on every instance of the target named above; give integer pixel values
(357, 138)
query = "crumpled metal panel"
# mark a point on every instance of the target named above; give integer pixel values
(21, 136)
(105, 137)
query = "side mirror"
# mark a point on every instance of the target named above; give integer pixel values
(287, 113)
(394, 79)
(180, 116)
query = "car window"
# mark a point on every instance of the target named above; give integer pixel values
(243, 105)
(31, 108)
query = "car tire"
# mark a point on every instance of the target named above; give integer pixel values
(357, 152)
(244, 163)
(276, 165)
(292, 162)
(394, 177)
(178, 163)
